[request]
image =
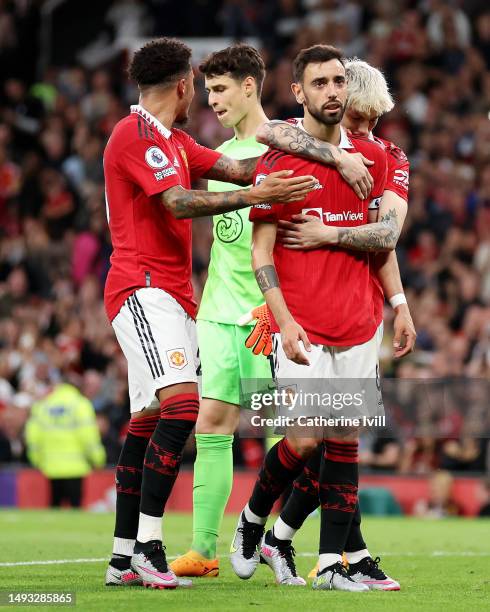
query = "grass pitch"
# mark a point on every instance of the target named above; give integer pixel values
(441, 565)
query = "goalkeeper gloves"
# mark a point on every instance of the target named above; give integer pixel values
(259, 339)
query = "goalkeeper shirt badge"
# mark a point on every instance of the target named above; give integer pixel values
(229, 227)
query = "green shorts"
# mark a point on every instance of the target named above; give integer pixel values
(227, 365)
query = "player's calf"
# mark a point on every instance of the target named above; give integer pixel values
(128, 490)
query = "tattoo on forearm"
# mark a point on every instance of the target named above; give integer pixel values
(380, 236)
(185, 204)
(291, 139)
(266, 278)
(238, 171)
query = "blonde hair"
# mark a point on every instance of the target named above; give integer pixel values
(367, 89)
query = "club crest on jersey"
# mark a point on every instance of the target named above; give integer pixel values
(177, 358)
(155, 157)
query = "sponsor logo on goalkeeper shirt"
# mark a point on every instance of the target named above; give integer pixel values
(229, 227)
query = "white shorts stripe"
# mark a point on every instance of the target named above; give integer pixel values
(160, 369)
(138, 324)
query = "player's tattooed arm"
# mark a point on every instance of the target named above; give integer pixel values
(238, 171)
(266, 277)
(306, 232)
(380, 236)
(276, 187)
(295, 141)
(289, 138)
(186, 203)
(263, 240)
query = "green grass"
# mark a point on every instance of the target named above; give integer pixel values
(416, 552)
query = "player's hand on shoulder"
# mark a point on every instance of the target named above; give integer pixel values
(353, 168)
(291, 335)
(281, 187)
(305, 232)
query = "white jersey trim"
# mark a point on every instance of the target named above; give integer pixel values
(139, 110)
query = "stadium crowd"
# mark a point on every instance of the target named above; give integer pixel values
(54, 242)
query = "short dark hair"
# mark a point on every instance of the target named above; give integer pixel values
(239, 60)
(160, 62)
(314, 55)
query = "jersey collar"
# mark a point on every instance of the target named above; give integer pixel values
(142, 112)
(345, 142)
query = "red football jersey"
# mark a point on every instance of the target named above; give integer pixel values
(151, 248)
(397, 181)
(328, 291)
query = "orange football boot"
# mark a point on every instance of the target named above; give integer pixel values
(195, 565)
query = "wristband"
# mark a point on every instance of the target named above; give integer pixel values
(397, 299)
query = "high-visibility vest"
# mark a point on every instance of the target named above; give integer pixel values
(62, 437)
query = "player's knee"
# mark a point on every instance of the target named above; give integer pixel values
(304, 446)
(209, 422)
(217, 418)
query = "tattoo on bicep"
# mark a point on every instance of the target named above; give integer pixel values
(266, 278)
(380, 236)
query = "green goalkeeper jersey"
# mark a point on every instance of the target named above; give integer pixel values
(231, 289)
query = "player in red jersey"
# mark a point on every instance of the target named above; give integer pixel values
(323, 306)
(368, 99)
(148, 167)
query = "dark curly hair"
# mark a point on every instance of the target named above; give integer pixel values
(240, 61)
(160, 62)
(314, 55)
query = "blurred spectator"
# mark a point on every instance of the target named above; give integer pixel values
(63, 442)
(484, 498)
(440, 503)
(381, 451)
